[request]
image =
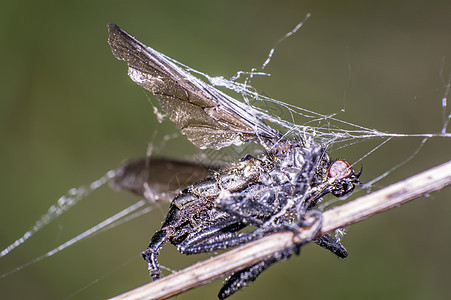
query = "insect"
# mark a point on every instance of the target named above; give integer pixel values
(270, 193)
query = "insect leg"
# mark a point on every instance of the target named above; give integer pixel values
(326, 240)
(241, 278)
(222, 241)
(150, 254)
(331, 244)
(193, 244)
(229, 239)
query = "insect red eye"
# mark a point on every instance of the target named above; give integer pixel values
(340, 169)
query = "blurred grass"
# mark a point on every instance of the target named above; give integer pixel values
(69, 113)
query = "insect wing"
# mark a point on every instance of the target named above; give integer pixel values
(158, 178)
(208, 117)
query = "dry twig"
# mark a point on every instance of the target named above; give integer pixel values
(244, 256)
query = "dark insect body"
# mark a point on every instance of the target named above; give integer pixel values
(274, 192)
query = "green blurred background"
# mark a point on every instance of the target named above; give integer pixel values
(69, 113)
